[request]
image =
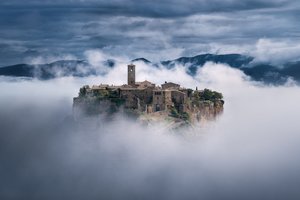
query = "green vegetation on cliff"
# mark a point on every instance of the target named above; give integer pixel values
(209, 95)
(97, 102)
(196, 105)
(184, 115)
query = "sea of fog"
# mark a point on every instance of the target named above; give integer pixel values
(250, 152)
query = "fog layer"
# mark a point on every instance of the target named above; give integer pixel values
(250, 152)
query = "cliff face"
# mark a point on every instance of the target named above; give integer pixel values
(207, 111)
(201, 106)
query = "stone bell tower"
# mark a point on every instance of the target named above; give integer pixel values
(131, 75)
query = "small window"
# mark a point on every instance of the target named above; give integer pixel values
(157, 107)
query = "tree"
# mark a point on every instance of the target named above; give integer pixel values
(82, 92)
(210, 95)
(174, 112)
(217, 95)
(185, 116)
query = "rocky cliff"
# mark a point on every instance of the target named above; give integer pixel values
(202, 106)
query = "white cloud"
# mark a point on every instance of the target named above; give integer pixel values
(250, 147)
(276, 51)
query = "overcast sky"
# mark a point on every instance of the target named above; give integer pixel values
(154, 29)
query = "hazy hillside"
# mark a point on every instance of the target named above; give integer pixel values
(264, 72)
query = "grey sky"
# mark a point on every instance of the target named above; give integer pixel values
(152, 29)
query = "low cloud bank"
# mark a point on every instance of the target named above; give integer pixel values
(250, 152)
(276, 51)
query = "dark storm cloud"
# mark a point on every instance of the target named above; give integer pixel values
(157, 8)
(142, 29)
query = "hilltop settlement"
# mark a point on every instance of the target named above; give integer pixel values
(149, 102)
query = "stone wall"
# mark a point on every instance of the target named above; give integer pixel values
(169, 85)
(179, 99)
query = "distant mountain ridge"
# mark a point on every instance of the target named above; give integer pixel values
(193, 63)
(61, 68)
(264, 72)
(234, 60)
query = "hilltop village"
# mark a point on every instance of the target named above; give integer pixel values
(149, 101)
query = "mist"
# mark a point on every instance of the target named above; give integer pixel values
(249, 152)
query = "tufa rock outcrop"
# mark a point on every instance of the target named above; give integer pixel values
(147, 102)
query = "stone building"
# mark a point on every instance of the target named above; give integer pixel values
(167, 100)
(170, 85)
(131, 75)
(162, 100)
(146, 96)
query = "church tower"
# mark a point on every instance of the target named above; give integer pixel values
(131, 75)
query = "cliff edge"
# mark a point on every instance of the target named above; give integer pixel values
(148, 102)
